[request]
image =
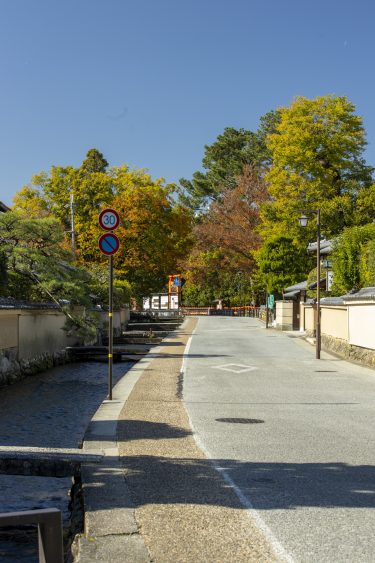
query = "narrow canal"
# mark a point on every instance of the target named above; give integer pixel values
(51, 409)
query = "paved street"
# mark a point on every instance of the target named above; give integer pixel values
(293, 434)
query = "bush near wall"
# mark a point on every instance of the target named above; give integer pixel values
(353, 259)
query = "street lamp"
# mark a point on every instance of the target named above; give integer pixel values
(303, 220)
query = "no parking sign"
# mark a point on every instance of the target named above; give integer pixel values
(109, 244)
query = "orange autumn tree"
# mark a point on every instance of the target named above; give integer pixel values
(226, 237)
(154, 232)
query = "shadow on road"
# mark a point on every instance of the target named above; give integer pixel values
(268, 486)
(182, 480)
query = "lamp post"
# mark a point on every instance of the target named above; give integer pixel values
(303, 220)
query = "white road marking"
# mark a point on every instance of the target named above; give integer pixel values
(280, 552)
(241, 368)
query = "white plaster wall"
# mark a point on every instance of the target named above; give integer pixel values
(334, 322)
(125, 315)
(8, 330)
(284, 314)
(309, 317)
(362, 325)
(41, 332)
(116, 319)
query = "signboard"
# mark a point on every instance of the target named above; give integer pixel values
(271, 301)
(329, 280)
(174, 283)
(173, 302)
(109, 244)
(109, 219)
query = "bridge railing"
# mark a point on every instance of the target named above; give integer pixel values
(244, 311)
(50, 537)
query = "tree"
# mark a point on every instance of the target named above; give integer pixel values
(353, 259)
(38, 268)
(365, 206)
(225, 239)
(317, 162)
(154, 232)
(231, 223)
(282, 262)
(94, 162)
(225, 159)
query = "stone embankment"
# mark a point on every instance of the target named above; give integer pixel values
(12, 369)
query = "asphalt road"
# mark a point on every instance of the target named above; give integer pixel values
(293, 435)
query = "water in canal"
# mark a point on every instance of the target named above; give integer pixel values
(51, 409)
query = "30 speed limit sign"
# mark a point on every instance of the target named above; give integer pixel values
(109, 219)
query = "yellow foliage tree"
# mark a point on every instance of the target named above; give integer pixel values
(316, 162)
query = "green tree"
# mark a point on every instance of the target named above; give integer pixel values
(353, 259)
(365, 206)
(225, 159)
(38, 267)
(94, 162)
(281, 262)
(3, 274)
(316, 163)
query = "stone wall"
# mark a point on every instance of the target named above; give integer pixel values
(346, 330)
(348, 351)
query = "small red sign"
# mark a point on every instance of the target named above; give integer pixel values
(109, 219)
(109, 244)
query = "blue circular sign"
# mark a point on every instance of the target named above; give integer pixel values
(109, 244)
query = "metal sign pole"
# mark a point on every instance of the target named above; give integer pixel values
(110, 328)
(109, 244)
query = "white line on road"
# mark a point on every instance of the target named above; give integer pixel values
(282, 555)
(279, 550)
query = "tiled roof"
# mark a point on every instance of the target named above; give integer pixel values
(296, 287)
(11, 303)
(3, 207)
(325, 246)
(364, 294)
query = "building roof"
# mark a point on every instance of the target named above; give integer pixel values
(3, 207)
(296, 287)
(11, 303)
(325, 246)
(290, 294)
(332, 301)
(364, 294)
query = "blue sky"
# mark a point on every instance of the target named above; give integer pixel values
(150, 82)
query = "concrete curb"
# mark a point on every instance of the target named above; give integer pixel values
(110, 529)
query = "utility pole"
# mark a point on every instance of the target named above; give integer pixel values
(73, 233)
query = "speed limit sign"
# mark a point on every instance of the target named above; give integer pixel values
(109, 219)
